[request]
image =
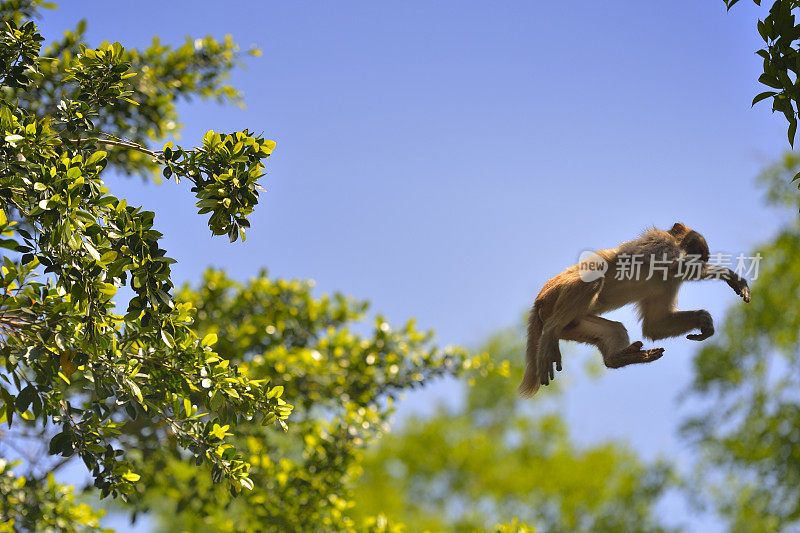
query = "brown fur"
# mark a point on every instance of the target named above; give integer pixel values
(568, 307)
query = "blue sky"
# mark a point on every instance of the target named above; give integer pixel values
(444, 159)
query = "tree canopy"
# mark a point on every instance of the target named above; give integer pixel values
(343, 377)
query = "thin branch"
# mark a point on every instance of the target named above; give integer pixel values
(122, 144)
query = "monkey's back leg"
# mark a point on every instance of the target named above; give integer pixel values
(573, 300)
(611, 338)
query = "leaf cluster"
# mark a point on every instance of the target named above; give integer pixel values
(781, 60)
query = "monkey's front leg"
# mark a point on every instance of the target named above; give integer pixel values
(678, 322)
(738, 284)
(734, 280)
(705, 325)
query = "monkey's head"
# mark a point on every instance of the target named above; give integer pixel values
(690, 241)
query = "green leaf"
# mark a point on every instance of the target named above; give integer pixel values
(167, 338)
(95, 158)
(9, 244)
(770, 81)
(108, 289)
(92, 250)
(762, 96)
(131, 476)
(137, 393)
(61, 443)
(210, 339)
(220, 432)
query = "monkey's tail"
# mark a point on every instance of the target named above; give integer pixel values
(530, 382)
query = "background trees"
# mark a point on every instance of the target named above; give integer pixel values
(748, 432)
(462, 469)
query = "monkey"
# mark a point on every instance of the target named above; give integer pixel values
(569, 305)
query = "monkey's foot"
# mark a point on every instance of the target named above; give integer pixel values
(633, 354)
(549, 369)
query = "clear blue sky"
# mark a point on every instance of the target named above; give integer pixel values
(444, 159)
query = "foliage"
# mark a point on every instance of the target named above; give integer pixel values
(749, 432)
(781, 71)
(73, 370)
(469, 468)
(343, 384)
(33, 504)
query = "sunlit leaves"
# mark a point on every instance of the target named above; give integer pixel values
(72, 366)
(225, 173)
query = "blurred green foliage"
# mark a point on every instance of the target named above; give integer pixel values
(468, 468)
(53, 509)
(749, 377)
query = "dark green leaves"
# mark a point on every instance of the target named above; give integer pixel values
(762, 96)
(781, 67)
(62, 443)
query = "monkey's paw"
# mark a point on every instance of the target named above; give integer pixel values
(745, 294)
(705, 325)
(740, 287)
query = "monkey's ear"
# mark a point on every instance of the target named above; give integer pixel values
(678, 229)
(695, 244)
